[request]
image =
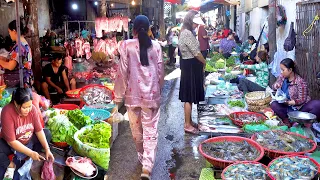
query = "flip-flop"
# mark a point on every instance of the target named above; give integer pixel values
(145, 176)
(192, 131)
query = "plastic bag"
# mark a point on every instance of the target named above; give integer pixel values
(100, 156)
(280, 96)
(47, 171)
(175, 41)
(251, 128)
(24, 171)
(117, 117)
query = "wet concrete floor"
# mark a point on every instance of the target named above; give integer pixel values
(177, 155)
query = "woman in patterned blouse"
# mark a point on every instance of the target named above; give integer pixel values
(262, 73)
(10, 64)
(191, 65)
(296, 90)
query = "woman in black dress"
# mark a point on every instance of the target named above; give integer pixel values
(191, 65)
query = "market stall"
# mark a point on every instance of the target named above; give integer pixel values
(246, 134)
(81, 135)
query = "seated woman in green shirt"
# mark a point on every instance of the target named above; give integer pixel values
(261, 71)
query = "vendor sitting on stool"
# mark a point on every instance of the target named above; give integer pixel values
(262, 73)
(296, 89)
(22, 133)
(56, 78)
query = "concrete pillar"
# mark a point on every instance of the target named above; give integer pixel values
(32, 12)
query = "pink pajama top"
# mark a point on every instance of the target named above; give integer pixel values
(139, 85)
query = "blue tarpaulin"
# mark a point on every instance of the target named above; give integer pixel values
(209, 5)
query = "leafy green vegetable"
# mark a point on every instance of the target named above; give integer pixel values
(79, 119)
(216, 57)
(210, 68)
(237, 103)
(98, 136)
(62, 129)
(228, 70)
(231, 61)
(220, 65)
(228, 77)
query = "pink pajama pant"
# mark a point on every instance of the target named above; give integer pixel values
(144, 127)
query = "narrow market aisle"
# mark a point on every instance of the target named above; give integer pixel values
(177, 154)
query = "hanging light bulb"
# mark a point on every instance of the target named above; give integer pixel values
(74, 6)
(112, 4)
(96, 3)
(133, 3)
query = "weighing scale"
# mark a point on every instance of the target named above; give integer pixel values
(302, 118)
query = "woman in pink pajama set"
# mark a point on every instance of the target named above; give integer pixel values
(139, 81)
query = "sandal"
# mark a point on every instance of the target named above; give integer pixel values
(145, 176)
(192, 130)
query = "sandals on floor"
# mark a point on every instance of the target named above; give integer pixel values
(145, 176)
(192, 130)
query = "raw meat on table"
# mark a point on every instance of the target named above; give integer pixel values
(82, 165)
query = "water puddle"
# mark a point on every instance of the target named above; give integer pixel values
(174, 164)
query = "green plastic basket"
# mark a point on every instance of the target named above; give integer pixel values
(97, 114)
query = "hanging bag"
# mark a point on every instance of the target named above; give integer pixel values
(290, 41)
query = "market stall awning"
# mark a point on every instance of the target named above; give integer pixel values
(209, 7)
(223, 2)
(173, 1)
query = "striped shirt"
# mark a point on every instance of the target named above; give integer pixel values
(261, 71)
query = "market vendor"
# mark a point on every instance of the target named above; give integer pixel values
(217, 35)
(55, 78)
(296, 90)
(227, 45)
(262, 73)
(10, 64)
(22, 133)
(246, 48)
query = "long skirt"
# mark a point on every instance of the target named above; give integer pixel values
(191, 81)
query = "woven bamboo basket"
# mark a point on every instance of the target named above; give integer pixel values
(258, 98)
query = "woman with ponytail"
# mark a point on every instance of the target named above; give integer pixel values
(139, 81)
(10, 64)
(296, 90)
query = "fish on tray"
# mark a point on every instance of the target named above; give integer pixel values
(207, 129)
(295, 168)
(96, 96)
(249, 118)
(209, 114)
(206, 108)
(231, 151)
(246, 171)
(214, 122)
(282, 141)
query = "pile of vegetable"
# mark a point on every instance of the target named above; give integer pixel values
(229, 77)
(220, 64)
(93, 142)
(210, 68)
(231, 61)
(61, 128)
(216, 57)
(237, 103)
(98, 136)
(79, 119)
